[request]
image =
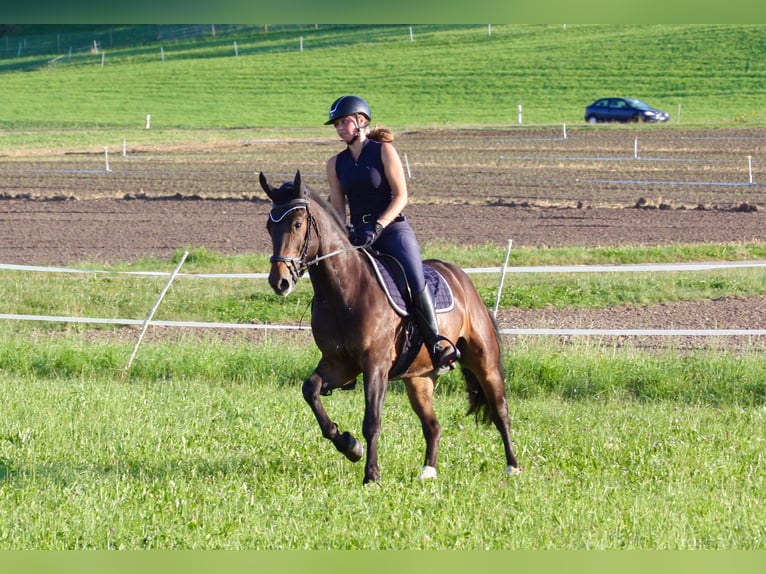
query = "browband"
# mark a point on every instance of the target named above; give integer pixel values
(276, 214)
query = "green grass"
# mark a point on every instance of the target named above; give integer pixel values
(199, 463)
(206, 443)
(448, 76)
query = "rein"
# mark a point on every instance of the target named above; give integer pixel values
(298, 265)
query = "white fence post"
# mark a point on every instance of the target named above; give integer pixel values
(502, 279)
(154, 310)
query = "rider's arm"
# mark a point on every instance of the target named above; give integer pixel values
(394, 170)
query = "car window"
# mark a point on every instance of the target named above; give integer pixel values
(638, 104)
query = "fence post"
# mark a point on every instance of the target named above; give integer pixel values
(502, 279)
(154, 310)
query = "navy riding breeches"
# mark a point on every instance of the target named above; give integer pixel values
(398, 240)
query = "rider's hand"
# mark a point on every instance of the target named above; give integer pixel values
(367, 235)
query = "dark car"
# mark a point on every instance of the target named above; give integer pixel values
(623, 110)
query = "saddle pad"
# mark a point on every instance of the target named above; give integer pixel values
(443, 298)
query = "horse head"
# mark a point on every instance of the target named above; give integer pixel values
(290, 223)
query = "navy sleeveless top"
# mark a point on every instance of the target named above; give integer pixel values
(364, 181)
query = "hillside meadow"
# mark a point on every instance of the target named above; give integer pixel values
(438, 76)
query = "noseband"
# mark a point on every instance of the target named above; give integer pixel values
(296, 265)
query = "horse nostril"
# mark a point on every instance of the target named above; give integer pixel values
(281, 286)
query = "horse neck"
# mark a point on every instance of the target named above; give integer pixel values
(336, 276)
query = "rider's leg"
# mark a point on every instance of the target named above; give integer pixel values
(443, 354)
(399, 241)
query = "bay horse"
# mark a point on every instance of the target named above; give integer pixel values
(358, 332)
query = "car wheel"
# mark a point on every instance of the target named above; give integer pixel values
(592, 120)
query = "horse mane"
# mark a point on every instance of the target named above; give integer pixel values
(327, 207)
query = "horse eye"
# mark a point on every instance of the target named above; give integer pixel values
(297, 225)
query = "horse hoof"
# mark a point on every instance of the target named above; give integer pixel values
(513, 470)
(427, 473)
(352, 449)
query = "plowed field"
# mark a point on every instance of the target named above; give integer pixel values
(649, 185)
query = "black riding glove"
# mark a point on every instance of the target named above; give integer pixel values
(351, 234)
(367, 235)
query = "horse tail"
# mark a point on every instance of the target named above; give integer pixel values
(477, 399)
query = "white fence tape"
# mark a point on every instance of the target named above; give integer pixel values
(616, 268)
(638, 332)
(157, 323)
(641, 267)
(271, 327)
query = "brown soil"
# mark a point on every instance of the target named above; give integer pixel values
(467, 187)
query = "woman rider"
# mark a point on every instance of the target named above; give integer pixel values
(369, 174)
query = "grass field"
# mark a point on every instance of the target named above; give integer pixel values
(446, 76)
(184, 463)
(207, 443)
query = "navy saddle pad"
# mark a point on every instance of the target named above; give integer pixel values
(390, 276)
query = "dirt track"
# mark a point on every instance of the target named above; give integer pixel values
(112, 230)
(216, 204)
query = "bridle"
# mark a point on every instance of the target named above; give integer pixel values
(298, 265)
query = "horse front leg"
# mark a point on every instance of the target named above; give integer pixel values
(375, 386)
(345, 442)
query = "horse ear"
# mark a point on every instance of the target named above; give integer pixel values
(265, 185)
(298, 183)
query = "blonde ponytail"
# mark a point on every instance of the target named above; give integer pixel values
(381, 134)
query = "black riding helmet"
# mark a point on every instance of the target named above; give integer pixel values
(347, 106)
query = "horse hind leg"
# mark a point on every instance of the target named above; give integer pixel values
(488, 403)
(345, 442)
(420, 393)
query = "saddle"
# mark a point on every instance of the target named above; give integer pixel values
(393, 280)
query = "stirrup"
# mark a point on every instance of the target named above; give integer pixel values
(445, 362)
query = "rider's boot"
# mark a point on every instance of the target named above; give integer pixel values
(442, 351)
